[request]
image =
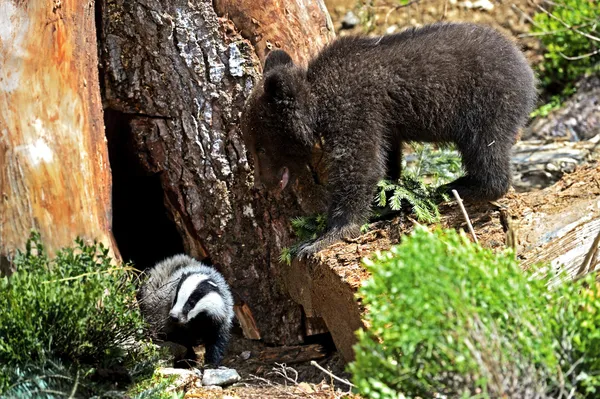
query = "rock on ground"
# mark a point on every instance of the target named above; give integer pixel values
(222, 376)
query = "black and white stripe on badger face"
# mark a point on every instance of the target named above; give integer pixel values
(196, 293)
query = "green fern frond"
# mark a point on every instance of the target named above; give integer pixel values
(300, 222)
(381, 198)
(286, 256)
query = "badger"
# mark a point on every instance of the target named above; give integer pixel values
(188, 303)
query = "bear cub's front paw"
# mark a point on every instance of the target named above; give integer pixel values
(311, 247)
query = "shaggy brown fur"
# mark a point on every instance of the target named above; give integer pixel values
(444, 83)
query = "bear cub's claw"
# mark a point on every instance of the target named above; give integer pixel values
(334, 235)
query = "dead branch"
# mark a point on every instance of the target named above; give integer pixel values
(591, 255)
(465, 215)
(329, 373)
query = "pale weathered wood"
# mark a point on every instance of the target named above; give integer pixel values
(54, 172)
(179, 74)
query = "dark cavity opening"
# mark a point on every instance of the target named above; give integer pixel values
(142, 228)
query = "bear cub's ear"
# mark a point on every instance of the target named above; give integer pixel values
(277, 58)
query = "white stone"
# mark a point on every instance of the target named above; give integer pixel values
(222, 376)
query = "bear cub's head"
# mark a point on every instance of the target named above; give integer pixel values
(278, 122)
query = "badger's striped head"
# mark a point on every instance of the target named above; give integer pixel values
(196, 293)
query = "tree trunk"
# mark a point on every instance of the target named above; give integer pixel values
(179, 74)
(54, 172)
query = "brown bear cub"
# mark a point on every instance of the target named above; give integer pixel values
(361, 97)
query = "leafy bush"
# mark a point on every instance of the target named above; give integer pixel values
(77, 309)
(569, 31)
(576, 329)
(448, 317)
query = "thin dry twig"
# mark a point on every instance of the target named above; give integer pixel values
(589, 256)
(443, 17)
(282, 371)
(465, 215)
(579, 57)
(524, 15)
(554, 32)
(396, 8)
(329, 373)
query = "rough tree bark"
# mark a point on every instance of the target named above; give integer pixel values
(54, 173)
(180, 74)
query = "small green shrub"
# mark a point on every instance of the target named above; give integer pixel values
(568, 30)
(55, 379)
(154, 387)
(420, 197)
(448, 317)
(576, 328)
(76, 309)
(420, 179)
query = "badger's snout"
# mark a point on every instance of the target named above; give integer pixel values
(176, 318)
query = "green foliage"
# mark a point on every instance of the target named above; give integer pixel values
(46, 381)
(55, 379)
(154, 387)
(448, 317)
(569, 31)
(71, 313)
(576, 328)
(309, 227)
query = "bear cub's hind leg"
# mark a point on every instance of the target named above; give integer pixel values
(487, 167)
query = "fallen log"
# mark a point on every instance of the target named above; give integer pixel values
(556, 225)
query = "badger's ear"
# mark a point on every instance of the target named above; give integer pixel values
(277, 58)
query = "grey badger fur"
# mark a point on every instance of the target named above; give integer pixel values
(361, 97)
(188, 303)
